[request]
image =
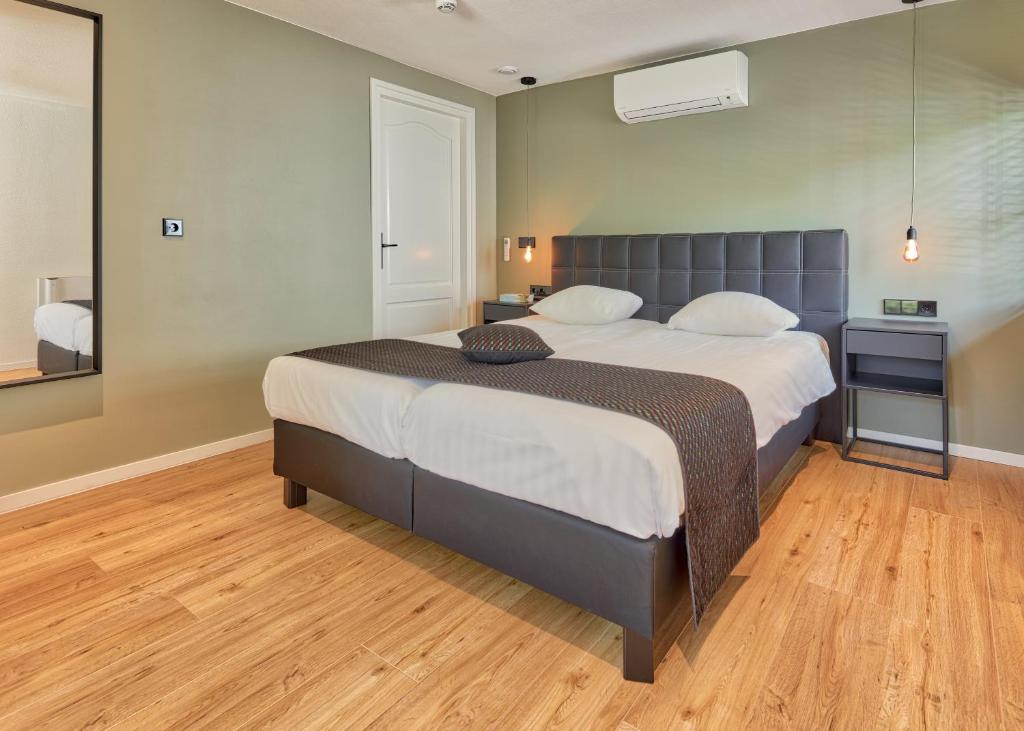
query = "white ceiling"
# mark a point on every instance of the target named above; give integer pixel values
(556, 40)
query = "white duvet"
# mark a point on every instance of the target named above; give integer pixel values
(65, 325)
(603, 466)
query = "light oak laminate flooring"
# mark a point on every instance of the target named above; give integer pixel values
(19, 374)
(192, 598)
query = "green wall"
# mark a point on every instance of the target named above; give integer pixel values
(825, 142)
(257, 134)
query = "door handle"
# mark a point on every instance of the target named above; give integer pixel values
(384, 246)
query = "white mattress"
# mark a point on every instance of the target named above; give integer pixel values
(65, 325)
(368, 408)
(599, 465)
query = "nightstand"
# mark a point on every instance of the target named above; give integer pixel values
(495, 311)
(896, 357)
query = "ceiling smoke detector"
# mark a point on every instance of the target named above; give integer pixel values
(446, 6)
(508, 70)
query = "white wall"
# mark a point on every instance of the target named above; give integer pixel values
(45, 210)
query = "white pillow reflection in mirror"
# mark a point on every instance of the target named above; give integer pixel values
(586, 304)
(733, 313)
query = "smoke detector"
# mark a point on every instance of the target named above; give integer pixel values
(508, 70)
(446, 6)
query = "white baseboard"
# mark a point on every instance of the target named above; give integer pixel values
(54, 490)
(960, 450)
(20, 365)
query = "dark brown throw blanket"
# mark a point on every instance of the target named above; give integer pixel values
(709, 421)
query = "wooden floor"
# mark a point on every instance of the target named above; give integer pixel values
(193, 599)
(19, 374)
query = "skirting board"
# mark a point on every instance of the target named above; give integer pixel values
(82, 483)
(18, 366)
(960, 450)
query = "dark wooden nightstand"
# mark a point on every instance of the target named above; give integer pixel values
(900, 357)
(495, 311)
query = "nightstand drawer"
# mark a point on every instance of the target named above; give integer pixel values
(896, 345)
(497, 313)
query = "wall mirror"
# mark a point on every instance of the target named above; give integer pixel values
(50, 315)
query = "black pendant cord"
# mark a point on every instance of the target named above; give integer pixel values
(913, 96)
(528, 82)
(529, 230)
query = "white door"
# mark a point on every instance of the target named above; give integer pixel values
(419, 247)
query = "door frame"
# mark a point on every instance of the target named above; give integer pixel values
(466, 116)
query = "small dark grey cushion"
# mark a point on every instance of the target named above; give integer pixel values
(503, 344)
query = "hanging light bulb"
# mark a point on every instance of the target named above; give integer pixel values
(910, 249)
(529, 241)
(910, 252)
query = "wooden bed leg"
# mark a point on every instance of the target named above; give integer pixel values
(294, 494)
(638, 662)
(809, 440)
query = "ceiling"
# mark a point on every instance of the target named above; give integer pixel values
(47, 55)
(556, 40)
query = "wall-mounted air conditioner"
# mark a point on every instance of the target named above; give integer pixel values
(694, 86)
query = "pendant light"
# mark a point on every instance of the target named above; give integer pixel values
(528, 242)
(910, 250)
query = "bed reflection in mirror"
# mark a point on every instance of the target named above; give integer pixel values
(49, 244)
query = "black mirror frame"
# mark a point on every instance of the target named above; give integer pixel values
(97, 198)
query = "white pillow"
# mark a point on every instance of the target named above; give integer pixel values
(589, 305)
(733, 313)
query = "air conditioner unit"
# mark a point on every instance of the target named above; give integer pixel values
(694, 86)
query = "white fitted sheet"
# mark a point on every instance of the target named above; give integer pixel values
(368, 408)
(365, 408)
(599, 465)
(65, 325)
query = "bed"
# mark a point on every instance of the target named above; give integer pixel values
(64, 324)
(65, 334)
(533, 487)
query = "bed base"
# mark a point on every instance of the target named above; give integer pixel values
(336, 467)
(51, 359)
(642, 585)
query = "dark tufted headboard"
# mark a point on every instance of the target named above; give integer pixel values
(803, 271)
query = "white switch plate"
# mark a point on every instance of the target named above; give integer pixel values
(508, 249)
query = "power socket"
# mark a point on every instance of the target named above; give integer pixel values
(174, 227)
(540, 291)
(910, 308)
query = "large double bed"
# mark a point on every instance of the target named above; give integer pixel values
(64, 324)
(64, 331)
(585, 503)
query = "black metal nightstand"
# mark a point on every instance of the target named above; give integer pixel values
(495, 311)
(900, 357)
